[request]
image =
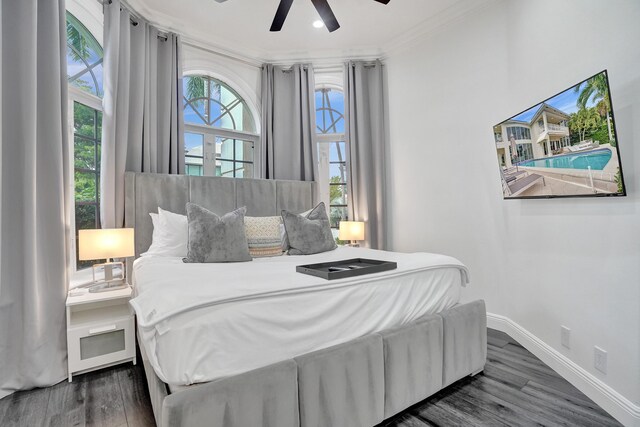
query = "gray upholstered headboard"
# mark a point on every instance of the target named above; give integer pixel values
(144, 192)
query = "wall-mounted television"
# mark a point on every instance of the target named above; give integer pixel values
(565, 146)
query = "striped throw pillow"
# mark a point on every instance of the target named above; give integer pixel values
(263, 236)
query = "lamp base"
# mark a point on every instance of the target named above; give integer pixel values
(353, 245)
(109, 269)
(110, 282)
(107, 287)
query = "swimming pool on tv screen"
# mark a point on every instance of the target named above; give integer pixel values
(597, 159)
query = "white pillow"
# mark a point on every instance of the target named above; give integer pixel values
(170, 234)
(156, 230)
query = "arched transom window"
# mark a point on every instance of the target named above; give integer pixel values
(329, 111)
(220, 135)
(84, 58)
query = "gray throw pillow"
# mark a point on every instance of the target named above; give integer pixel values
(216, 239)
(310, 234)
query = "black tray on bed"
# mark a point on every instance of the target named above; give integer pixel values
(346, 268)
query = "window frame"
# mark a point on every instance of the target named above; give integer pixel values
(76, 95)
(211, 133)
(324, 141)
(90, 67)
(91, 20)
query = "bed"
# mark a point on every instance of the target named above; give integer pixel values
(269, 346)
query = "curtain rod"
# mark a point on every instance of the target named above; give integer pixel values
(135, 19)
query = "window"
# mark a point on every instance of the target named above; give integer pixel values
(84, 58)
(524, 152)
(519, 132)
(220, 131)
(84, 74)
(332, 153)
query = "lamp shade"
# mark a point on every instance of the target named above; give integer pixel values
(105, 243)
(351, 230)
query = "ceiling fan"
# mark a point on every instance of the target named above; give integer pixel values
(323, 8)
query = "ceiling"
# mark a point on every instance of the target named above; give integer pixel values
(368, 28)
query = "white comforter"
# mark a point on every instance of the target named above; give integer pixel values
(199, 322)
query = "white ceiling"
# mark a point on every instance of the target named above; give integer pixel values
(368, 28)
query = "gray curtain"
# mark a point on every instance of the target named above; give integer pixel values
(288, 123)
(142, 122)
(364, 107)
(33, 180)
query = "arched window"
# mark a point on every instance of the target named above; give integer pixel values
(84, 74)
(84, 58)
(329, 111)
(220, 130)
(332, 156)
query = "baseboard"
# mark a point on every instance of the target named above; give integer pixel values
(607, 398)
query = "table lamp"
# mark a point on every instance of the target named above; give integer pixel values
(351, 231)
(107, 243)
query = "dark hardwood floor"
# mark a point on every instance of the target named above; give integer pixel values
(515, 389)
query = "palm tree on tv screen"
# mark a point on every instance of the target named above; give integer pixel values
(596, 88)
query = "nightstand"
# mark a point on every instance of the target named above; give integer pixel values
(100, 330)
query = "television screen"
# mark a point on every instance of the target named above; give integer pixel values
(565, 146)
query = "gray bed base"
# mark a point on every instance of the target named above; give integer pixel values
(358, 383)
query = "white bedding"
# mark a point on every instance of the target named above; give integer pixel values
(199, 322)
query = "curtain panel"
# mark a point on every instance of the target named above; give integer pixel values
(142, 122)
(34, 180)
(365, 128)
(288, 123)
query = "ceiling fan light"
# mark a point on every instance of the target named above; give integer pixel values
(318, 23)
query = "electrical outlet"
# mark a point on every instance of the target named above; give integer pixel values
(565, 336)
(600, 359)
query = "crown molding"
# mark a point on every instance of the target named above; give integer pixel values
(220, 51)
(326, 58)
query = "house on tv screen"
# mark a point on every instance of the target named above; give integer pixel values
(544, 135)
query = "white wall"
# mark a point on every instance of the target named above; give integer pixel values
(541, 263)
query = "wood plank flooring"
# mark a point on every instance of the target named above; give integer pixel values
(515, 389)
(111, 397)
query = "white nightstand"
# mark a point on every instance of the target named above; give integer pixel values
(100, 330)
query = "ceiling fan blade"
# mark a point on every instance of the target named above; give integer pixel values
(281, 15)
(325, 12)
(379, 1)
